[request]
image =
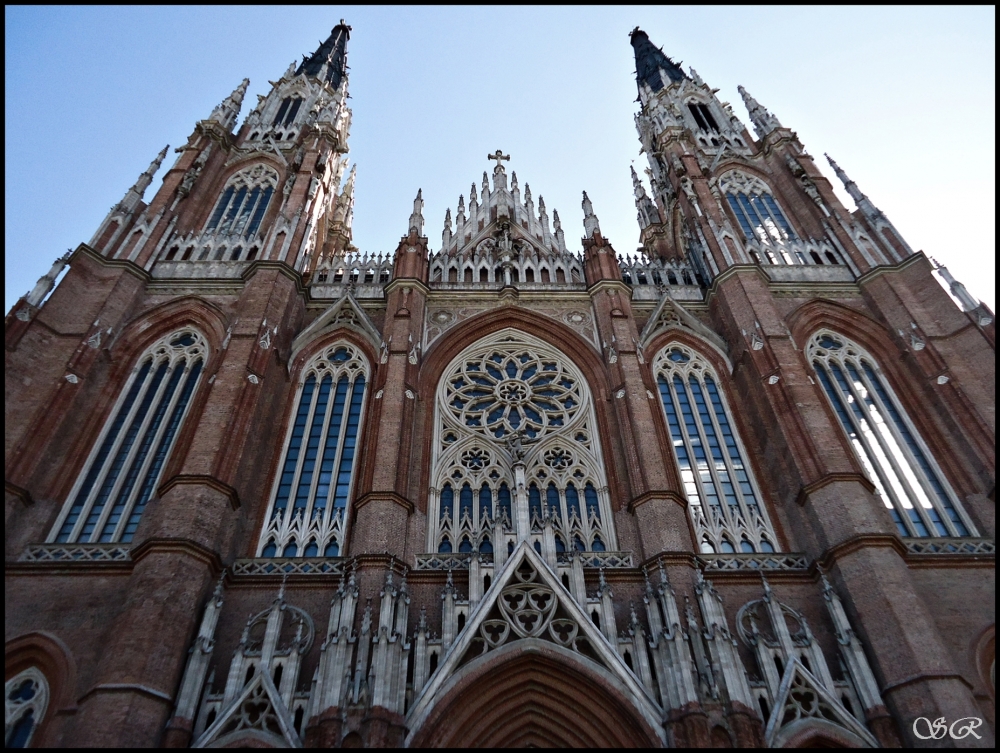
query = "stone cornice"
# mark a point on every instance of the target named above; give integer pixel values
(668, 496)
(201, 480)
(387, 496)
(406, 282)
(832, 478)
(862, 541)
(882, 269)
(128, 266)
(20, 492)
(178, 546)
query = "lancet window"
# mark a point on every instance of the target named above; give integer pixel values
(759, 216)
(243, 203)
(723, 499)
(310, 498)
(26, 698)
(516, 452)
(287, 111)
(896, 460)
(124, 468)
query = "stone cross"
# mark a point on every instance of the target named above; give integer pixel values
(498, 155)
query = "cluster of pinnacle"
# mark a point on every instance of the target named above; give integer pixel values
(653, 68)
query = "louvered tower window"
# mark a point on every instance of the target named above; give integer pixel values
(287, 111)
(124, 469)
(723, 499)
(894, 457)
(310, 498)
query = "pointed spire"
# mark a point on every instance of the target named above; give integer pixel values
(558, 231)
(590, 223)
(47, 281)
(648, 214)
(652, 67)
(228, 110)
(862, 202)
(446, 233)
(417, 218)
(329, 62)
(957, 289)
(763, 121)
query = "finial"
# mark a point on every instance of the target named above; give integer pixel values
(417, 218)
(590, 222)
(763, 121)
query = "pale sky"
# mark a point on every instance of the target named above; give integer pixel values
(902, 98)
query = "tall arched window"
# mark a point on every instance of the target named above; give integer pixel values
(769, 237)
(723, 499)
(26, 697)
(309, 502)
(515, 444)
(243, 202)
(894, 457)
(124, 468)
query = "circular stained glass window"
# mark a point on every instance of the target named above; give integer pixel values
(512, 390)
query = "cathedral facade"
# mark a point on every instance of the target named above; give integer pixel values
(266, 489)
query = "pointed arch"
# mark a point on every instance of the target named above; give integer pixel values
(312, 488)
(555, 334)
(724, 500)
(127, 460)
(532, 693)
(47, 654)
(890, 449)
(510, 401)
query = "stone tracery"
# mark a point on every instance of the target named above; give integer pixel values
(512, 400)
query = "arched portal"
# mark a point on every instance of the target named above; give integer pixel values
(532, 694)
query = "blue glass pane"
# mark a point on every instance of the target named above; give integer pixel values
(777, 215)
(573, 502)
(294, 444)
(258, 214)
(120, 456)
(534, 501)
(447, 499)
(485, 501)
(697, 449)
(465, 501)
(313, 444)
(350, 445)
(220, 208)
(552, 501)
(162, 449)
(914, 448)
(590, 497)
(328, 463)
(102, 454)
(503, 499)
(139, 458)
(741, 217)
(234, 208)
(445, 546)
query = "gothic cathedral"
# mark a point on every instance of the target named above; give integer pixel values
(266, 489)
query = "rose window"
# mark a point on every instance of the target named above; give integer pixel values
(514, 391)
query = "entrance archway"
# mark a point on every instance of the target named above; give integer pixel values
(531, 694)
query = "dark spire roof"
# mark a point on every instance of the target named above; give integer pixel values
(329, 62)
(650, 62)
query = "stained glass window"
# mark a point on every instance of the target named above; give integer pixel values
(897, 462)
(723, 500)
(309, 502)
(124, 469)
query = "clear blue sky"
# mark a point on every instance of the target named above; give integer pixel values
(902, 98)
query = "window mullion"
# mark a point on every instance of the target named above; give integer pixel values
(873, 452)
(98, 482)
(887, 451)
(707, 509)
(151, 450)
(724, 507)
(300, 460)
(321, 450)
(122, 473)
(750, 521)
(900, 471)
